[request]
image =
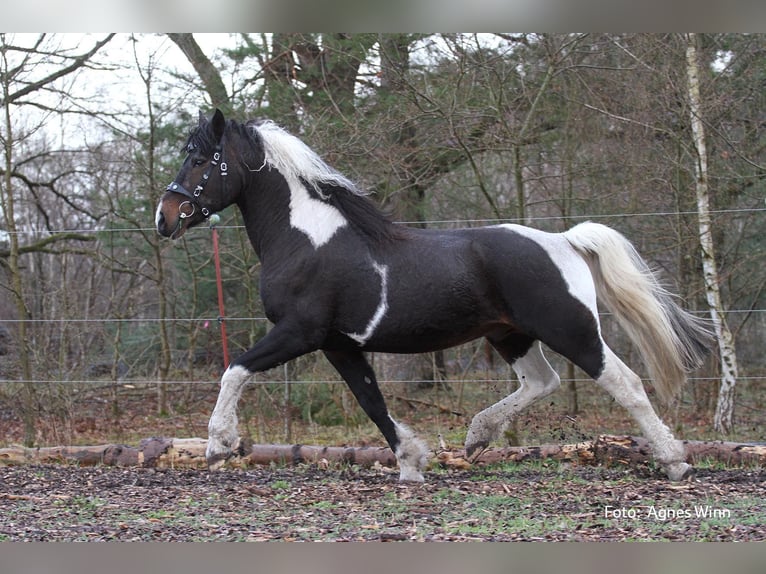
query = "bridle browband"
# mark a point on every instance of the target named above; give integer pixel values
(193, 201)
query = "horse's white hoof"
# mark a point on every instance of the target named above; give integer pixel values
(475, 443)
(410, 475)
(474, 450)
(214, 465)
(678, 471)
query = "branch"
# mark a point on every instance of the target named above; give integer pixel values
(43, 243)
(207, 72)
(78, 62)
(441, 408)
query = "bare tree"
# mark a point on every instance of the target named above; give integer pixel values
(724, 414)
(29, 76)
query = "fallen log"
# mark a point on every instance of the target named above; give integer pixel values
(159, 452)
(629, 450)
(301, 453)
(151, 452)
(609, 450)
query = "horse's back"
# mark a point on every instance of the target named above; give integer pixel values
(547, 288)
(449, 286)
(535, 267)
(516, 269)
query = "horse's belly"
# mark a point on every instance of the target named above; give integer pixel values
(416, 338)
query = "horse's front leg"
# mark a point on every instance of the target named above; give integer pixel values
(411, 452)
(284, 342)
(223, 436)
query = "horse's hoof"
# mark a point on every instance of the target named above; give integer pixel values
(218, 453)
(411, 475)
(215, 463)
(680, 471)
(474, 450)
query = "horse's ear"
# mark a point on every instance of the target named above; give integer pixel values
(202, 119)
(219, 124)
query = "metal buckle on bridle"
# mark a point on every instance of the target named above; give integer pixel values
(183, 215)
(193, 197)
(223, 167)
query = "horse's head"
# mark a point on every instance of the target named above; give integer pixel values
(204, 185)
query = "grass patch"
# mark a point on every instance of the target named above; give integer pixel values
(542, 500)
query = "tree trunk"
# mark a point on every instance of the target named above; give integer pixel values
(409, 193)
(165, 358)
(724, 414)
(208, 73)
(18, 89)
(279, 73)
(7, 203)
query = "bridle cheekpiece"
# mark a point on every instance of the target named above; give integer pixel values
(194, 196)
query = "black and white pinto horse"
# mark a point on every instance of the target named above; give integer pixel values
(338, 276)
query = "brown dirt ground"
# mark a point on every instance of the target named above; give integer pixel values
(525, 502)
(530, 501)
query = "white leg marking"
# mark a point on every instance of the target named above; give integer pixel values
(317, 219)
(537, 379)
(412, 454)
(362, 338)
(626, 387)
(223, 436)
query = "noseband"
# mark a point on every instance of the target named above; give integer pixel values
(194, 196)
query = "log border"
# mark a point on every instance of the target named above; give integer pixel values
(163, 452)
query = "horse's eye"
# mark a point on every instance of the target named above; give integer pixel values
(198, 162)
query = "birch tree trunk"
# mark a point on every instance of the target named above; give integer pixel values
(724, 414)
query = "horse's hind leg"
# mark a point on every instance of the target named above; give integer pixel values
(536, 380)
(626, 387)
(411, 452)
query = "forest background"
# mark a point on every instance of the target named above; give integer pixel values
(97, 312)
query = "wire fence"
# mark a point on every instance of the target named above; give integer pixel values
(257, 380)
(751, 373)
(433, 222)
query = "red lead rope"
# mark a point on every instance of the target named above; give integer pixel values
(222, 314)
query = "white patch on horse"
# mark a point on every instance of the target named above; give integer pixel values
(298, 163)
(223, 436)
(574, 269)
(158, 215)
(317, 219)
(362, 338)
(411, 453)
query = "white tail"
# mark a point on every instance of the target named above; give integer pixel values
(671, 341)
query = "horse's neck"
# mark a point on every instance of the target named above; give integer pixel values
(265, 208)
(275, 208)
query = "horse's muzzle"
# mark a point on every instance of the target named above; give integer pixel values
(174, 217)
(163, 227)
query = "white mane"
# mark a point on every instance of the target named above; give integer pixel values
(294, 159)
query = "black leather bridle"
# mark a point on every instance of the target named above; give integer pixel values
(194, 196)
